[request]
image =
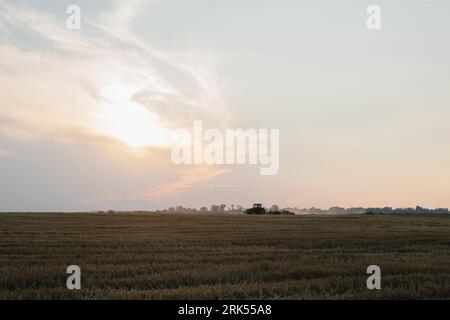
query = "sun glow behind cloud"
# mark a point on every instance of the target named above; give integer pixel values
(128, 121)
(103, 79)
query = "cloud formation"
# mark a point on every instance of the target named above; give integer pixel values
(102, 82)
(76, 77)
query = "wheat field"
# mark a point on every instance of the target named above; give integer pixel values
(205, 256)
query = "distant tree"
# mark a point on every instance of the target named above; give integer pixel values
(314, 210)
(336, 210)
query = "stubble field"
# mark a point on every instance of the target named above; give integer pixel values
(205, 256)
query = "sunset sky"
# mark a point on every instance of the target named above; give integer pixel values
(86, 115)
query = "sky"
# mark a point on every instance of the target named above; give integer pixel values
(86, 115)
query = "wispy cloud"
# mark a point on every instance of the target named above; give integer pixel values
(101, 80)
(187, 178)
(80, 76)
(182, 180)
